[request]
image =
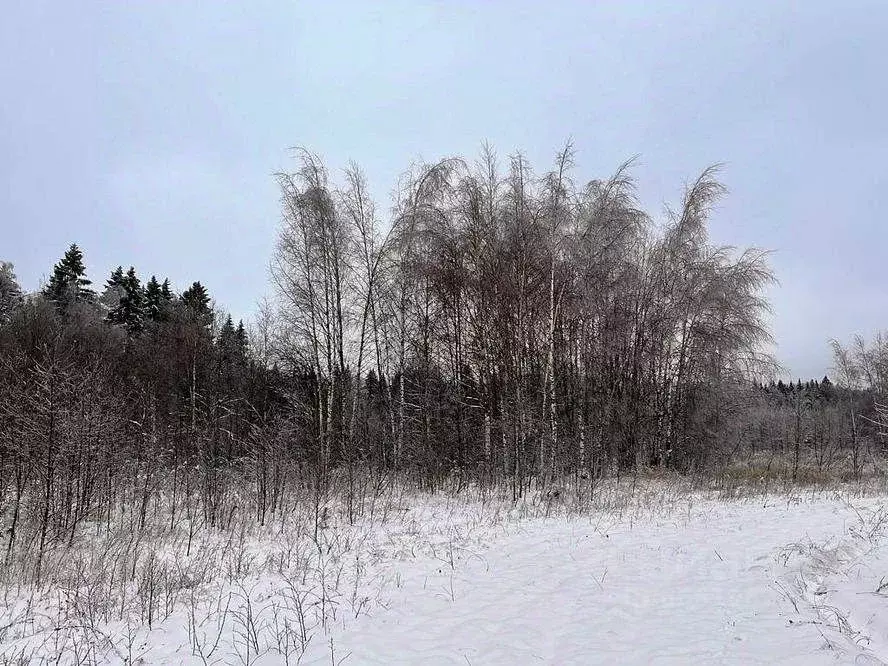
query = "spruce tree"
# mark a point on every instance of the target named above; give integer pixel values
(155, 302)
(240, 339)
(129, 309)
(113, 295)
(116, 279)
(826, 388)
(133, 303)
(225, 341)
(68, 283)
(232, 342)
(197, 300)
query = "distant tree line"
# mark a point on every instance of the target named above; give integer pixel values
(500, 326)
(120, 393)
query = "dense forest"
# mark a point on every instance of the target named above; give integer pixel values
(500, 326)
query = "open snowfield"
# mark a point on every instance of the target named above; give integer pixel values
(765, 582)
(654, 575)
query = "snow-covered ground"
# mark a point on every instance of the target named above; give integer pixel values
(766, 582)
(660, 577)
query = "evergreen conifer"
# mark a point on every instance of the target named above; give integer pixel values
(68, 283)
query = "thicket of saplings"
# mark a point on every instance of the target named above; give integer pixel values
(501, 329)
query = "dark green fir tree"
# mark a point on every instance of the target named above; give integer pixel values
(112, 296)
(68, 283)
(225, 340)
(240, 339)
(197, 300)
(133, 303)
(157, 299)
(129, 308)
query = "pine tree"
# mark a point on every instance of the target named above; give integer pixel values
(68, 283)
(166, 291)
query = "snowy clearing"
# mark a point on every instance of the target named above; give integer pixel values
(765, 582)
(660, 577)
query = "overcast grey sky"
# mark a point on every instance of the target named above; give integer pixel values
(147, 132)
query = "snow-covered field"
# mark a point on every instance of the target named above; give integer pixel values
(653, 575)
(765, 582)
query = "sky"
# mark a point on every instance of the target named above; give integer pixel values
(149, 132)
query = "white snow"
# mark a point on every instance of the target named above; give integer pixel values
(665, 578)
(719, 583)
